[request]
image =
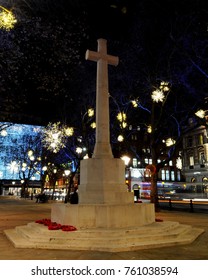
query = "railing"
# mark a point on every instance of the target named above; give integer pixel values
(192, 204)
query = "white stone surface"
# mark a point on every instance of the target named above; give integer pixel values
(154, 235)
(102, 145)
(102, 216)
(103, 181)
(103, 198)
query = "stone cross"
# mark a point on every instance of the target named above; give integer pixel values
(102, 145)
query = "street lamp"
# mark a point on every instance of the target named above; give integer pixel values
(126, 160)
(67, 172)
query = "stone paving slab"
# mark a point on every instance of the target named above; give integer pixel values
(19, 212)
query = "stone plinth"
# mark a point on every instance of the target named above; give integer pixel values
(103, 199)
(155, 235)
(103, 216)
(102, 181)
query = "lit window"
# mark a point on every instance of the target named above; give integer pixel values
(172, 175)
(178, 175)
(170, 163)
(167, 175)
(134, 162)
(191, 161)
(200, 139)
(163, 174)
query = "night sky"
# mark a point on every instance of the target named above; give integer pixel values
(46, 67)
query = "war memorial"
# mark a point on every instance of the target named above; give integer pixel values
(106, 217)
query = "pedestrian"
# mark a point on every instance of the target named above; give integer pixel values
(74, 199)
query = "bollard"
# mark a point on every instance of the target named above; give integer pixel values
(170, 204)
(191, 205)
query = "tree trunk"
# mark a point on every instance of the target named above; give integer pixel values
(71, 183)
(154, 192)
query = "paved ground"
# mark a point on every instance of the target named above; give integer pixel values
(15, 212)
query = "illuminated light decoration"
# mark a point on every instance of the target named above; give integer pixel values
(32, 158)
(164, 86)
(179, 163)
(69, 131)
(149, 129)
(170, 142)
(201, 114)
(157, 96)
(93, 125)
(123, 125)
(7, 19)
(78, 150)
(13, 166)
(86, 156)
(113, 6)
(121, 116)
(30, 153)
(79, 139)
(55, 136)
(3, 133)
(124, 10)
(90, 112)
(134, 103)
(120, 138)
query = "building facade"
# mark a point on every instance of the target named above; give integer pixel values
(195, 158)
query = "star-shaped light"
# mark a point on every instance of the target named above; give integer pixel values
(7, 19)
(179, 163)
(134, 103)
(200, 114)
(158, 95)
(170, 142)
